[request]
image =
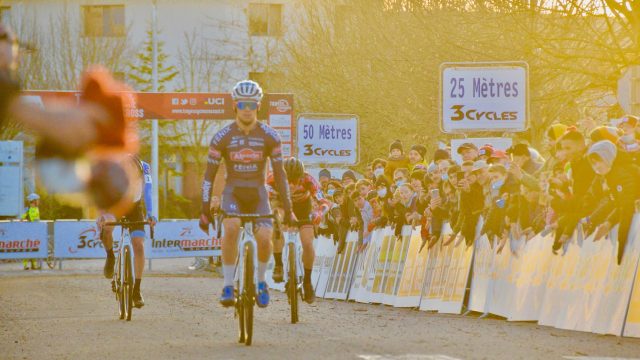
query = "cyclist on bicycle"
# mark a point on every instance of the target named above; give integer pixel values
(245, 145)
(142, 209)
(304, 190)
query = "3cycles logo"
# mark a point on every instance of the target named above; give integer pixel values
(310, 150)
(460, 113)
(89, 239)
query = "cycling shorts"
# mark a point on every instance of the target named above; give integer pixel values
(238, 200)
(302, 211)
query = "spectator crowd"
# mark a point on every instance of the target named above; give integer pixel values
(589, 176)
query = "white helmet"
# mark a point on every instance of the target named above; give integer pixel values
(32, 197)
(246, 90)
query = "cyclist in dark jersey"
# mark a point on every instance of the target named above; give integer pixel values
(245, 146)
(142, 210)
(304, 190)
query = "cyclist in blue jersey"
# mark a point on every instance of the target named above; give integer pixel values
(245, 146)
(142, 209)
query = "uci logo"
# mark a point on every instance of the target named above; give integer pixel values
(214, 101)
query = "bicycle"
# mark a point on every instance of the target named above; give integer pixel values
(293, 274)
(245, 277)
(123, 276)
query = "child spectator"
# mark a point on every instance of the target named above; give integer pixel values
(396, 159)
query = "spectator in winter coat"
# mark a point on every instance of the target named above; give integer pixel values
(396, 159)
(579, 202)
(623, 180)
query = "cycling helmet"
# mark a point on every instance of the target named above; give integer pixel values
(247, 90)
(32, 197)
(294, 168)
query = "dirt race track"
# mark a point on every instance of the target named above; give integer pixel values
(72, 315)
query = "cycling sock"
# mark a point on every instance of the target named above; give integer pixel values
(262, 271)
(307, 276)
(136, 285)
(228, 271)
(110, 253)
(278, 258)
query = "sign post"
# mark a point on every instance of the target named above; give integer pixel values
(484, 97)
(328, 139)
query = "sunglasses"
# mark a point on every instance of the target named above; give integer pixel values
(247, 105)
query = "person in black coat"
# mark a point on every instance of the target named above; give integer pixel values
(622, 177)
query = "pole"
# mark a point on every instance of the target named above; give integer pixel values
(154, 123)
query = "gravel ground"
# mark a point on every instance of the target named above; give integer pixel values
(71, 314)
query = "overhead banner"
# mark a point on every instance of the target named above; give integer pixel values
(484, 97)
(173, 106)
(328, 139)
(23, 240)
(175, 239)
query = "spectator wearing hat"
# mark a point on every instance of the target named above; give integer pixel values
(332, 186)
(468, 151)
(552, 135)
(416, 158)
(623, 180)
(441, 155)
(605, 133)
(348, 178)
(396, 159)
(484, 153)
(471, 204)
(324, 176)
(498, 157)
(378, 166)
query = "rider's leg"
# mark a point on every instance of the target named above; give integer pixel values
(308, 252)
(137, 240)
(106, 236)
(230, 249)
(263, 233)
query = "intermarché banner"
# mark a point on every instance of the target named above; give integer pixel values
(23, 240)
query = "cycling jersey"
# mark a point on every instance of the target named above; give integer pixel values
(301, 190)
(245, 157)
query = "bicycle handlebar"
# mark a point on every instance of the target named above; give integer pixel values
(129, 223)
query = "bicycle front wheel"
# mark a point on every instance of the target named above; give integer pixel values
(249, 297)
(119, 285)
(292, 288)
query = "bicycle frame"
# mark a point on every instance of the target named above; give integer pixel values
(293, 237)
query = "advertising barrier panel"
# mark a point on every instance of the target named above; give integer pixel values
(23, 240)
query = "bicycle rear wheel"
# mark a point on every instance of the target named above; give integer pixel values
(128, 280)
(292, 288)
(249, 292)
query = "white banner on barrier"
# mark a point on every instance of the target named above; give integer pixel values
(379, 281)
(407, 296)
(180, 239)
(395, 264)
(482, 270)
(342, 273)
(23, 240)
(325, 258)
(80, 240)
(373, 252)
(437, 266)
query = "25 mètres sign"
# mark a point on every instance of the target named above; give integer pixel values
(484, 97)
(328, 139)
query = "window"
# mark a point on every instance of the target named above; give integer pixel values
(103, 20)
(5, 11)
(265, 19)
